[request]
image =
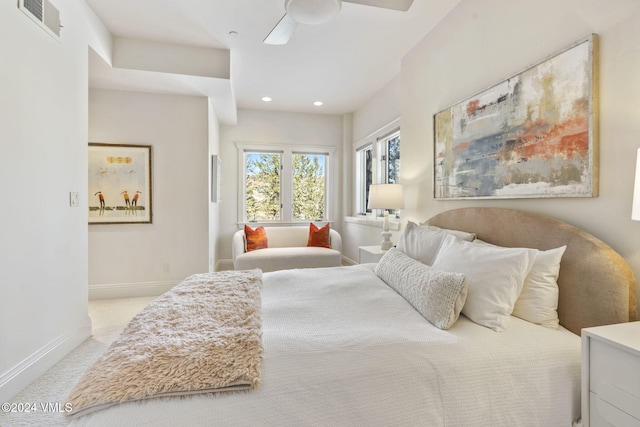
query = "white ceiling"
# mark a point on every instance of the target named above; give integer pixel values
(342, 62)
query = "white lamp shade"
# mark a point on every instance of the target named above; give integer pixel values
(635, 210)
(386, 196)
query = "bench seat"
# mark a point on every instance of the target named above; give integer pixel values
(287, 250)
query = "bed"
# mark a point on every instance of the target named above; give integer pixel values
(342, 347)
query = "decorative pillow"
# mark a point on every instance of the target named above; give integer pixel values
(422, 242)
(319, 236)
(469, 237)
(538, 301)
(255, 239)
(437, 295)
(495, 274)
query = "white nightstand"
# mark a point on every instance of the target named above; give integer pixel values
(611, 375)
(368, 254)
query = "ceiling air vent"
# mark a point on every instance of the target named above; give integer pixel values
(44, 13)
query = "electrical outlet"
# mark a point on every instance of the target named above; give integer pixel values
(167, 267)
(74, 199)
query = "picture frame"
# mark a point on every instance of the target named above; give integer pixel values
(120, 184)
(216, 175)
(533, 135)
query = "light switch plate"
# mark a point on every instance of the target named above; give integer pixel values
(74, 199)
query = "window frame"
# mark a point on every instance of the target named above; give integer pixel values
(362, 191)
(286, 179)
(377, 142)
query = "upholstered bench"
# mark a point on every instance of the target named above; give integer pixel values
(286, 248)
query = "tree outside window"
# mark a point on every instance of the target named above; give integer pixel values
(262, 186)
(393, 159)
(309, 186)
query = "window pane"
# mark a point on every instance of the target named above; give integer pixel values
(309, 182)
(393, 162)
(262, 178)
(368, 176)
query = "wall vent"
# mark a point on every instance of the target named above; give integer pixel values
(44, 13)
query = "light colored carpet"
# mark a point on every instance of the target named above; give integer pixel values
(108, 318)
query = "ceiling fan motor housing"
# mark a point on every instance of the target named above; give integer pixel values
(312, 12)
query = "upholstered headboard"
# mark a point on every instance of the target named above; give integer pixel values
(597, 286)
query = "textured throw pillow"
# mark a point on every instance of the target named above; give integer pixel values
(495, 274)
(538, 301)
(319, 236)
(255, 239)
(437, 295)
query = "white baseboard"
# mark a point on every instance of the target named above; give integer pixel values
(129, 290)
(224, 264)
(24, 373)
(348, 261)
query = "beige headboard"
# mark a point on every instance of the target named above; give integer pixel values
(597, 286)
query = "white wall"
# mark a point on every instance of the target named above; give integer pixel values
(483, 42)
(379, 111)
(271, 127)
(214, 206)
(132, 257)
(43, 147)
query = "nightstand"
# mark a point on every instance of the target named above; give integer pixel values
(611, 375)
(367, 254)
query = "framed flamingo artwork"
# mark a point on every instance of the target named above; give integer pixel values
(120, 189)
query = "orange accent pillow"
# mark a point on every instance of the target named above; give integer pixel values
(256, 239)
(319, 236)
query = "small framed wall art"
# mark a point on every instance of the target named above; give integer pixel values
(120, 188)
(216, 175)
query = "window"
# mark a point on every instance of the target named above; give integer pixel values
(392, 158)
(284, 184)
(309, 186)
(386, 149)
(364, 178)
(262, 186)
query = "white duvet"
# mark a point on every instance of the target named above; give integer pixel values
(341, 348)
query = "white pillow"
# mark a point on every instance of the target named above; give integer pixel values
(422, 242)
(538, 301)
(437, 295)
(469, 237)
(495, 274)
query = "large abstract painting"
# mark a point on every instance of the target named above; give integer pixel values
(532, 135)
(119, 184)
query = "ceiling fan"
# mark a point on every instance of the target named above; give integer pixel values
(314, 12)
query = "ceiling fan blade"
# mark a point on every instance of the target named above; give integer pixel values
(282, 32)
(402, 5)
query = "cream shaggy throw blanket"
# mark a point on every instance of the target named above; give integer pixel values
(202, 336)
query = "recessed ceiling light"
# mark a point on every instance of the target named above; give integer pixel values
(233, 33)
(318, 103)
(266, 99)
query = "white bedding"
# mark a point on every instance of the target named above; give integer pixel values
(341, 348)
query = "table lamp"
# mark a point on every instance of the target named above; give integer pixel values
(386, 196)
